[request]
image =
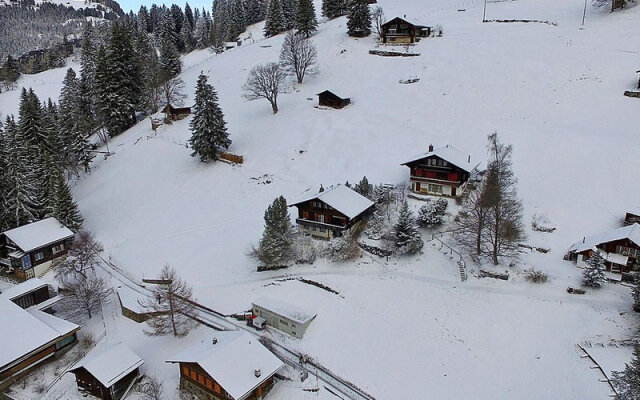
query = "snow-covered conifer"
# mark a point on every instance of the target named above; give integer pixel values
(407, 237)
(359, 19)
(276, 245)
(275, 22)
(594, 274)
(306, 22)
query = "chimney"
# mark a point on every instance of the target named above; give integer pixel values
(257, 373)
(405, 16)
(214, 341)
(321, 189)
(430, 147)
(583, 239)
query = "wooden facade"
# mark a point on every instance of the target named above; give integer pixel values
(197, 381)
(32, 298)
(87, 383)
(435, 175)
(631, 218)
(33, 263)
(330, 99)
(174, 114)
(321, 220)
(624, 247)
(401, 31)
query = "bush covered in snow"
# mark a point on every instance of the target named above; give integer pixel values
(343, 248)
(429, 215)
(375, 226)
(536, 276)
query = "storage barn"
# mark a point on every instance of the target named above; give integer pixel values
(282, 316)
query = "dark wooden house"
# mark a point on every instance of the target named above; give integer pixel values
(330, 99)
(233, 365)
(619, 247)
(401, 31)
(632, 218)
(331, 212)
(29, 250)
(443, 172)
(109, 372)
(30, 293)
(174, 114)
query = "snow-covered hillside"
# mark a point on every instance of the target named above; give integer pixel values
(407, 328)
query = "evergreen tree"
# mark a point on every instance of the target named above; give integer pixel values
(221, 23)
(255, 11)
(189, 18)
(237, 20)
(276, 245)
(627, 382)
(594, 274)
(70, 113)
(201, 33)
(636, 295)
(407, 237)
(31, 124)
(64, 208)
(86, 86)
(334, 8)
(359, 19)
(290, 13)
(4, 188)
(275, 22)
(186, 36)
(306, 22)
(375, 226)
(208, 129)
(169, 59)
(364, 188)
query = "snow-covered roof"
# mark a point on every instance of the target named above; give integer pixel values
(22, 288)
(346, 200)
(409, 20)
(232, 361)
(110, 363)
(38, 234)
(331, 92)
(286, 310)
(22, 331)
(130, 299)
(631, 232)
(451, 155)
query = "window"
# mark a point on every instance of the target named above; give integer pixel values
(193, 375)
(216, 388)
(314, 228)
(185, 370)
(26, 262)
(39, 255)
(435, 188)
(283, 322)
(321, 218)
(418, 172)
(209, 384)
(305, 215)
(66, 341)
(323, 230)
(58, 248)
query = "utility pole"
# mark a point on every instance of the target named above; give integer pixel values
(484, 11)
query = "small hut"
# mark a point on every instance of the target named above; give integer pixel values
(109, 372)
(330, 99)
(174, 114)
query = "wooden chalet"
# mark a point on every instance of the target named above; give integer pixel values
(233, 365)
(331, 99)
(29, 250)
(631, 218)
(174, 114)
(443, 172)
(30, 336)
(619, 247)
(401, 31)
(109, 372)
(331, 212)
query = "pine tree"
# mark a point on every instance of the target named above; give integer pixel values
(4, 187)
(221, 23)
(186, 36)
(359, 19)
(201, 33)
(290, 13)
(237, 20)
(275, 22)
(208, 128)
(364, 188)
(276, 245)
(407, 237)
(189, 18)
(594, 274)
(306, 22)
(627, 382)
(31, 121)
(255, 11)
(334, 8)
(65, 209)
(375, 226)
(169, 59)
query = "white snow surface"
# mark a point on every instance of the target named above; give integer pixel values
(451, 155)
(631, 232)
(344, 199)
(38, 234)
(22, 288)
(109, 363)
(284, 309)
(23, 331)
(232, 361)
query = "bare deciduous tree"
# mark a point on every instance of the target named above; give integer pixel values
(473, 221)
(173, 91)
(298, 56)
(173, 296)
(151, 388)
(86, 293)
(265, 82)
(83, 256)
(378, 20)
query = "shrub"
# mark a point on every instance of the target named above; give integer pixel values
(536, 276)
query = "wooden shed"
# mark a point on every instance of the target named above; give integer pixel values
(330, 99)
(108, 373)
(132, 307)
(174, 114)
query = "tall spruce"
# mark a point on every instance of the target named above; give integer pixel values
(359, 19)
(290, 13)
(306, 22)
(594, 274)
(276, 245)
(4, 188)
(64, 208)
(334, 8)
(208, 128)
(407, 237)
(275, 22)
(627, 382)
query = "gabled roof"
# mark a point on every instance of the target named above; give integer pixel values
(331, 93)
(451, 155)
(407, 20)
(22, 331)
(631, 232)
(22, 288)
(108, 364)
(232, 361)
(38, 234)
(286, 310)
(346, 200)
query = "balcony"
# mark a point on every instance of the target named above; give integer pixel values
(302, 221)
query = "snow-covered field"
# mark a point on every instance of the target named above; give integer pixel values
(407, 328)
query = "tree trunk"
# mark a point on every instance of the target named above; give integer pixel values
(171, 311)
(274, 107)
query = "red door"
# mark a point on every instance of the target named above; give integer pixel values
(417, 186)
(453, 190)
